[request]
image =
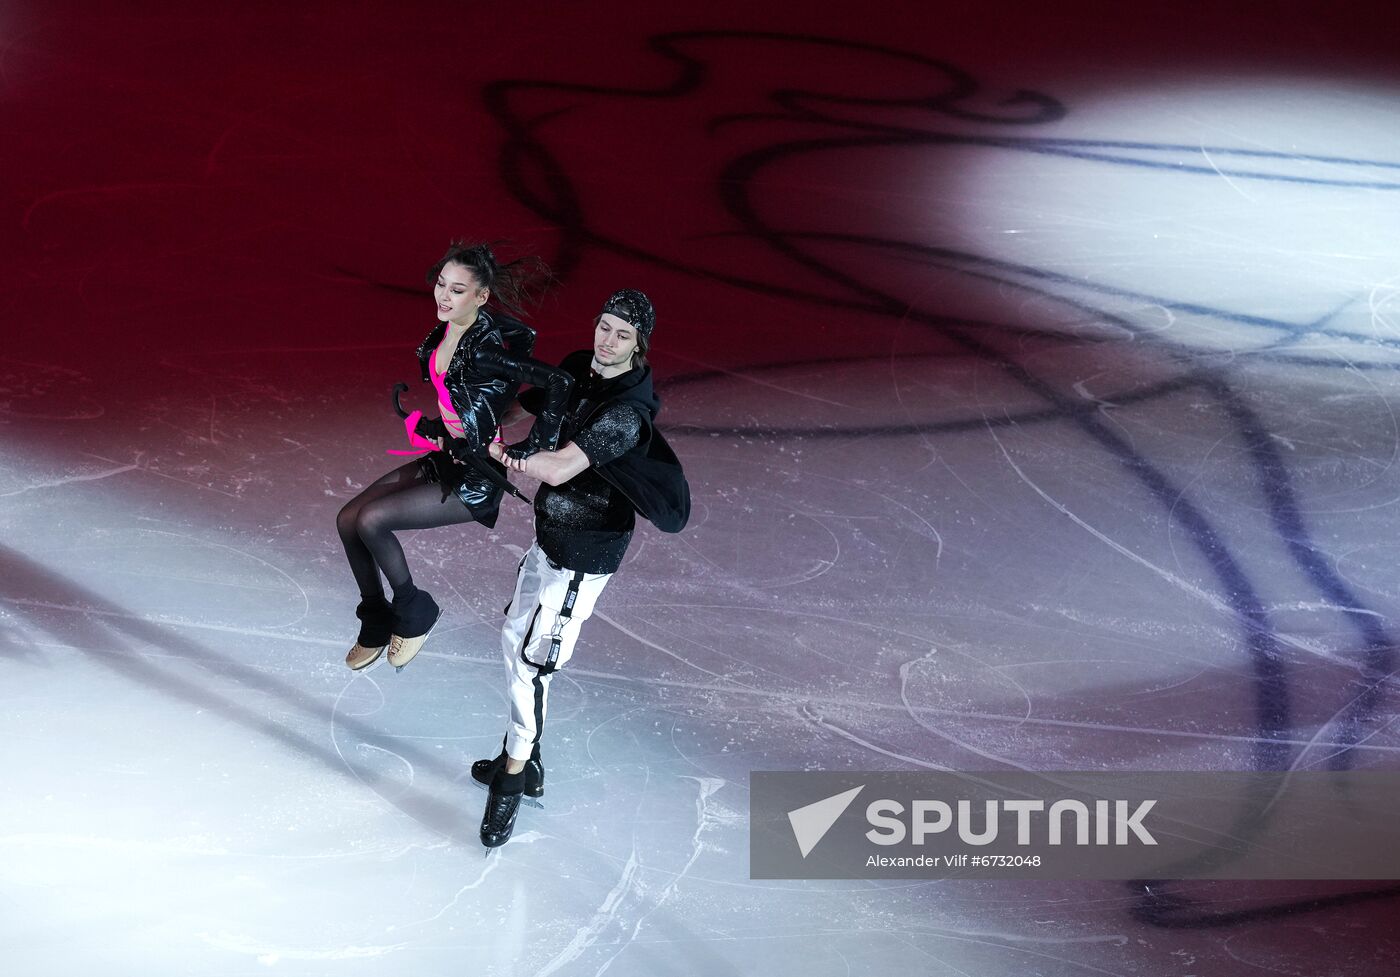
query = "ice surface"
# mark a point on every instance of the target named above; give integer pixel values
(1093, 466)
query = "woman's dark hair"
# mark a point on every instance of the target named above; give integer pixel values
(513, 285)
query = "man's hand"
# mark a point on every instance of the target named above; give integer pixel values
(550, 467)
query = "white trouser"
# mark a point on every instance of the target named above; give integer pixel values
(542, 623)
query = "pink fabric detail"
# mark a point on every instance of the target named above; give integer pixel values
(421, 445)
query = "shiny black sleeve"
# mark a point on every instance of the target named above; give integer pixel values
(531, 401)
(495, 361)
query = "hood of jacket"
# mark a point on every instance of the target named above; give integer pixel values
(633, 387)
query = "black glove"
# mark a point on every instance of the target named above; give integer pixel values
(544, 435)
(523, 449)
(430, 427)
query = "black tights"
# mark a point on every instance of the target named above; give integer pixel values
(402, 499)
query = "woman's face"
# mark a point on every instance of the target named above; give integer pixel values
(458, 295)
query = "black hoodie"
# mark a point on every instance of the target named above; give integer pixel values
(586, 523)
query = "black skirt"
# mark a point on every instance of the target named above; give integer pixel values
(473, 489)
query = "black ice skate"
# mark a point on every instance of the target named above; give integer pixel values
(415, 617)
(483, 771)
(502, 805)
(376, 627)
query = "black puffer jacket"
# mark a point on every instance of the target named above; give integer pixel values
(490, 363)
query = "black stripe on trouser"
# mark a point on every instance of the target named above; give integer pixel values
(518, 567)
(530, 630)
(538, 683)
(549, 666)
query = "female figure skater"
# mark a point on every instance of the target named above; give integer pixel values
(476, 359)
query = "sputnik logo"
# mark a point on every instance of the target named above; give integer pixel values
(811, 823)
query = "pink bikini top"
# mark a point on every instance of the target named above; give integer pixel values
(422, 445)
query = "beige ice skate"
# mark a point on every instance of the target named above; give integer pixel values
(415, 620)
(376, 626)
(363, 656)
(402, 650)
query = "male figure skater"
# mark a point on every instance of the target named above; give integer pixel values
(611, 463)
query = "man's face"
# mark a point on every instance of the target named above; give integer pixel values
(614, 341)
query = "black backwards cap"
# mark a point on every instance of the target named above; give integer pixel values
(633, 307)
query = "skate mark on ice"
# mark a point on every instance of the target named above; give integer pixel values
(810, 715)
(1178, 582)
(1322, 605)
(606, 914)
(704, 818)
(174, 623)
(803, 702)
(1118, 939)
(961, 744)
(748, 376)
(305, 600)
(819, 566)
(120, 643)
(69, 479)
(142, 465)
(270, 956)
(906, 667)
(1180, 495)
(724, 680)
(1022, 951)
(739, 663)
(1369, 691)
(491, 863)
(1219, 172)
(1048, 776)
